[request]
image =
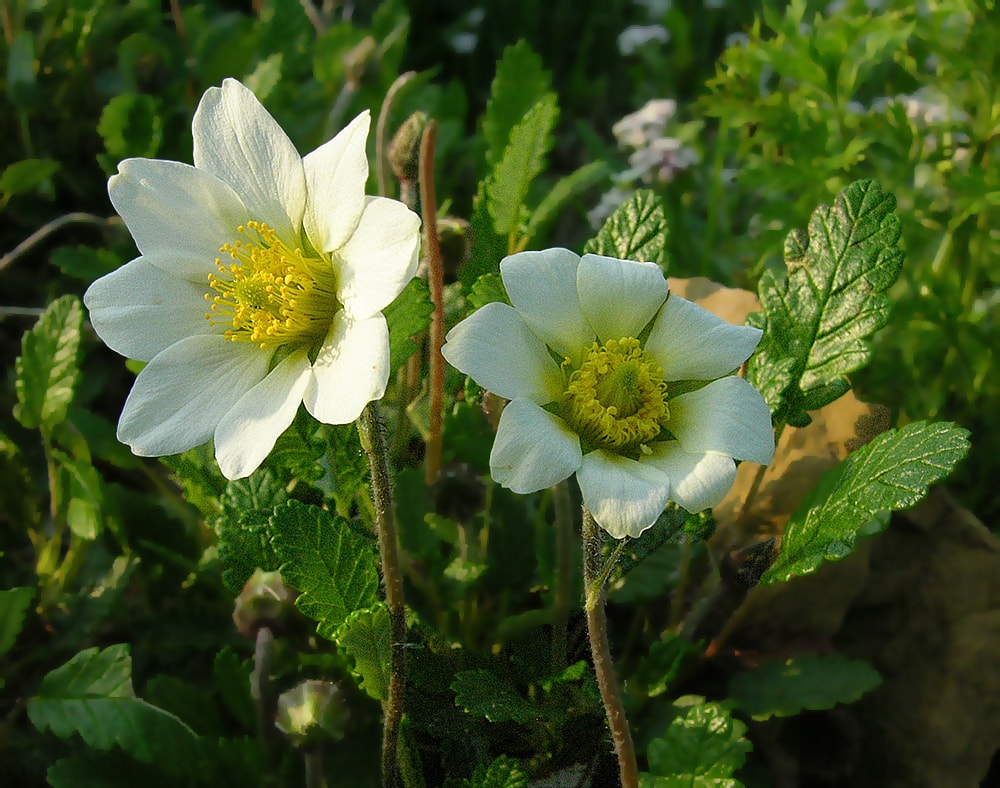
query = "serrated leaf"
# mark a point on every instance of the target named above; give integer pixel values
(92, 696)
(484, 693)
(637, 230)
(487, 289)
(832, 299)
(522, 161)
(130, 125)
(890, 473)
(563, 191)
(487, 248)
(25, 175)
(703, 746)
(331, 566)
(408, 316)
(14, 603)
(349, 461)
(504, 772)
(85, 263)
(519, 84)
(242, 528)
(366, 636)
(783, 688)
(47, 367)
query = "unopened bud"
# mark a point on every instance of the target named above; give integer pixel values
(312, 712)
(404, 150)
(264, 601)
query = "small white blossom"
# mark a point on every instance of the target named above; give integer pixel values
(635, 36)
(260, 284)
(639, 421)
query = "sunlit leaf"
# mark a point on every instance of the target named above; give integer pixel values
(637, 230)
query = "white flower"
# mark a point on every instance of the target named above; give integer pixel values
(613, 380)
(260, 285)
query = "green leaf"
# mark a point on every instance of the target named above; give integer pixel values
(94, 769)
(232, 680)
(323, 558)
(130, 125)
(484, 693)
(366, 636)
(407, 316)
(783, 688)
(519, 84)
(92, 695)
(84, 511)
(637, 230)
(702, 747)
(832, 300)
(25, 175)
(504, 772)
(21, 68)
(14, 604)
(47, 367)
(85, 263)
(242, 529)
(522, 161)
(350, 463)
(563, 191)
(487, 289)
(890, 473)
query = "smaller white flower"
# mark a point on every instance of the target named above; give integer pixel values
(260, 284)
(613, 379)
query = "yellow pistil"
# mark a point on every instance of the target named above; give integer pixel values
(616, 398)
(271, 294)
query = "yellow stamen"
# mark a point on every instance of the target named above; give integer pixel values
(616, 398)
(271, 294)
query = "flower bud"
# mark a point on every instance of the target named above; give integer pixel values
(311, 712)
(404, 150)
(264, 601)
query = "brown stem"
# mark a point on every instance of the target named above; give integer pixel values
(47, 229)
(563, 573)
(381, 128)
(385, 518)
(597, 629)
(435, 278)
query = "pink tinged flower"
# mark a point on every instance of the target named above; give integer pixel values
(260, 284)
(612, 378)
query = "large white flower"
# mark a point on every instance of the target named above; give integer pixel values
(260, 285)
(613, 379)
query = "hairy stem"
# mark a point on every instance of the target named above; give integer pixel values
(435, 278)
(385, 519)
(597, 629)
(47, 229)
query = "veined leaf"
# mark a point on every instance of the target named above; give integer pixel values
(637, 230)
(487, 289)
(519, 84)
(331, 565)
(783, 688)
(832, 299)
(14, 604)
(27, 174)
(92, 695)
(47, 367)
(504, 772)
(703, 746)
(366, 636)
(484, 693)
(522, 161)
(408, 315)
(242, 528)
(890, 473)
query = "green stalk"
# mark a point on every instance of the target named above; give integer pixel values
(373, 439)
(563, 575)
(597, 630)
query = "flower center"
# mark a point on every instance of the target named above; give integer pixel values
(271, 294)
(616, 398)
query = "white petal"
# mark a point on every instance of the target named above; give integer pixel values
(182, 394)
(335, 180)
(246, 434)
(619, 297)
(380, 257)
(237, 141)
(727, 416)
(496, 349)
(139, 310)
(533, 448)
(351, 370)
(178, 215)
(697, 481)
(542, 287)
(690, 343)
(624, 496)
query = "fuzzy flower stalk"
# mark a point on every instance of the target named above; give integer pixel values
(260, 284)
(614, 379)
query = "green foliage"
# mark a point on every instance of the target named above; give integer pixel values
(366, 636)
(47, 368)
(890, 473)
(817, 319)
(130, 126)
(84, 263)
(242, 528)
(324, 559)
(484, 693)
(92, 696)
(637, 230)
(487, 289)
(703, 746)
(408, 316)
(23, 176)
(504, 772)
(783, 688)
(13, 606)
(520, 84)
